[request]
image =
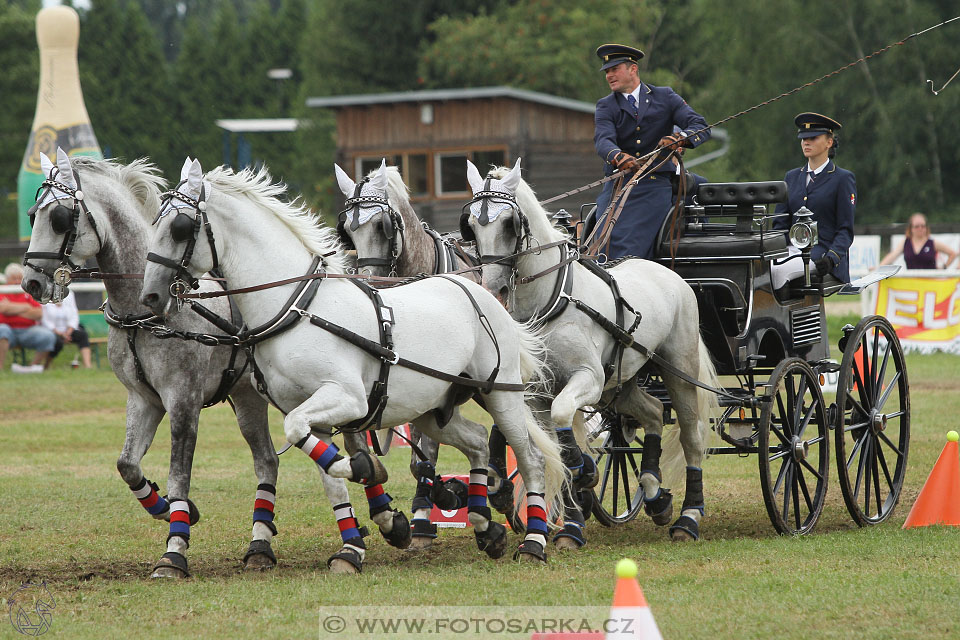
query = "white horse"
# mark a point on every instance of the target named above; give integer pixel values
(590, 366)
(390, 240)
(109, 218)
(328, 368)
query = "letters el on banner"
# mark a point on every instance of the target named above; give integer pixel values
(924, 311)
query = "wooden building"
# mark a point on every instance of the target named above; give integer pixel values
(430, 134)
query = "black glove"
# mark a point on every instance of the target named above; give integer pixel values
(824, 265)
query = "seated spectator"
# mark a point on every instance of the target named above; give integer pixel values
(20, 317)
(64, 320)
(919, 250)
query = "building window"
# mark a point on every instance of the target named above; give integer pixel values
(485, 160)
(451, 173)
(415, 174)
(366, 164)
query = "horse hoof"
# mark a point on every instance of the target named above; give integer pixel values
(400, 535)
(493, 541)
(529, 558)
(685, 529)
(566, 544)
(660, 509)
(259, 556)
(171, 565)
(420, 543)
(338, 565)
(530, 551)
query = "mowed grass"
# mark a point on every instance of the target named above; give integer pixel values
(67, 518)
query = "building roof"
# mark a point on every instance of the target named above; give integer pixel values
(258, 125)
(443, 95)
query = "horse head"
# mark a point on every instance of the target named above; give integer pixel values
(61, 239)
(380, 243)
(494, 221)
(181, 252)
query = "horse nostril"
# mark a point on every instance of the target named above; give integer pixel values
(33, 288)
(149, 299)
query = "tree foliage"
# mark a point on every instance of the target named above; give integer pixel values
(158, 74)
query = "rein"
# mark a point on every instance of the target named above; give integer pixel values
(837, 71)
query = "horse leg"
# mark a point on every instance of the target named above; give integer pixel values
(332, 404)
(423, 531)
(183, 513)
(393, 524)
(648, 411)
(251, 413)
(143, 418)
(685, 403)
(578, 391)
(350, 557)
(471, 439)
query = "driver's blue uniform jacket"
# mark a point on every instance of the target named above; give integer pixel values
(616, 128)
(832, 197)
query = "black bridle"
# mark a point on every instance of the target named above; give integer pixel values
(186, 228)
(521, 225)
(63, 221)
(391, 221)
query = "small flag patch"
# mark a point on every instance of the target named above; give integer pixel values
(853, 198)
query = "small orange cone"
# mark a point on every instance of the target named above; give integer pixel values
(630, 617)
(939, 500)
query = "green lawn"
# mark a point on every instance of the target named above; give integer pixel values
(67, 518)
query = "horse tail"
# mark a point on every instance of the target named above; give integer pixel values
(555, 472)
(708, 403)
(533, 353)
(673, 463)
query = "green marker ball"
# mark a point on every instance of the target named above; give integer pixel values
(952, 436)
(627, 568)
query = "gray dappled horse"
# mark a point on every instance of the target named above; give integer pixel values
(174, 376)
(328, 368)
(590, 366)
(391, 240)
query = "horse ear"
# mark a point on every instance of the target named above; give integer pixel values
(66, 171)
(380, 180)
(185, 169)
(346, 184)
(473, 177)
(194, 177)
(512, 179)
(46, 165)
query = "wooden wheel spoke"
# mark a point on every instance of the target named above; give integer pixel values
(886, 469)
(883, 365)
(890, 444)
(784, 416)
(867, 461)
(809, 467)
(856, 447)
(787, 490)
(860, 465)
(807, 416)
(790, 412)
(806, 492)
(796, 498)
(778, 483)
(886, 392)
(778, 432)
(626, 481)
(859, 425)
(876, 480)
(873, 361)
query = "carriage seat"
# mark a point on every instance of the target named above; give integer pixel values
(700, 238)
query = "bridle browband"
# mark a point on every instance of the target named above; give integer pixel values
(521, 225)
(393, 226)
(186, 230)
(68, 221)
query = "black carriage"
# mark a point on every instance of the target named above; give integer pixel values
(774, 345)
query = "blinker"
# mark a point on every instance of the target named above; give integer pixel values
(61, 219)
(181, 229)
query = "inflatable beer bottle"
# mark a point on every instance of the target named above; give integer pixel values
(61, 118)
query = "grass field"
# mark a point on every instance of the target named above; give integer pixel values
(68, 519)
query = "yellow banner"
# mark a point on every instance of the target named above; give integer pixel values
(924, 311)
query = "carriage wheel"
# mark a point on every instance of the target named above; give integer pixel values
(794, 450)
(618, 496)
(873, 420)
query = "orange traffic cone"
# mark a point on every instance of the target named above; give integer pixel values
(939, 500)
(630, 617)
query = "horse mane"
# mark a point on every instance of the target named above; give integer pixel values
(398, 193)
(530, 206)
(141, 177)
(258, 186)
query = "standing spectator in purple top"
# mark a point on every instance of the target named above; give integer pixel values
(919, 249)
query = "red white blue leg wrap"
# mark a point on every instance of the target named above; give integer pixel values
(347, 522)
(319, 451)
(477, 493)
(146, 493)
(179, 519)
(377, 499)
(263, 506)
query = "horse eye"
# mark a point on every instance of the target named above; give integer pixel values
(181, 229)
(61, 219)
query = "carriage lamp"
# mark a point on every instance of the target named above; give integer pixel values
(803, 232)
(563, 217)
